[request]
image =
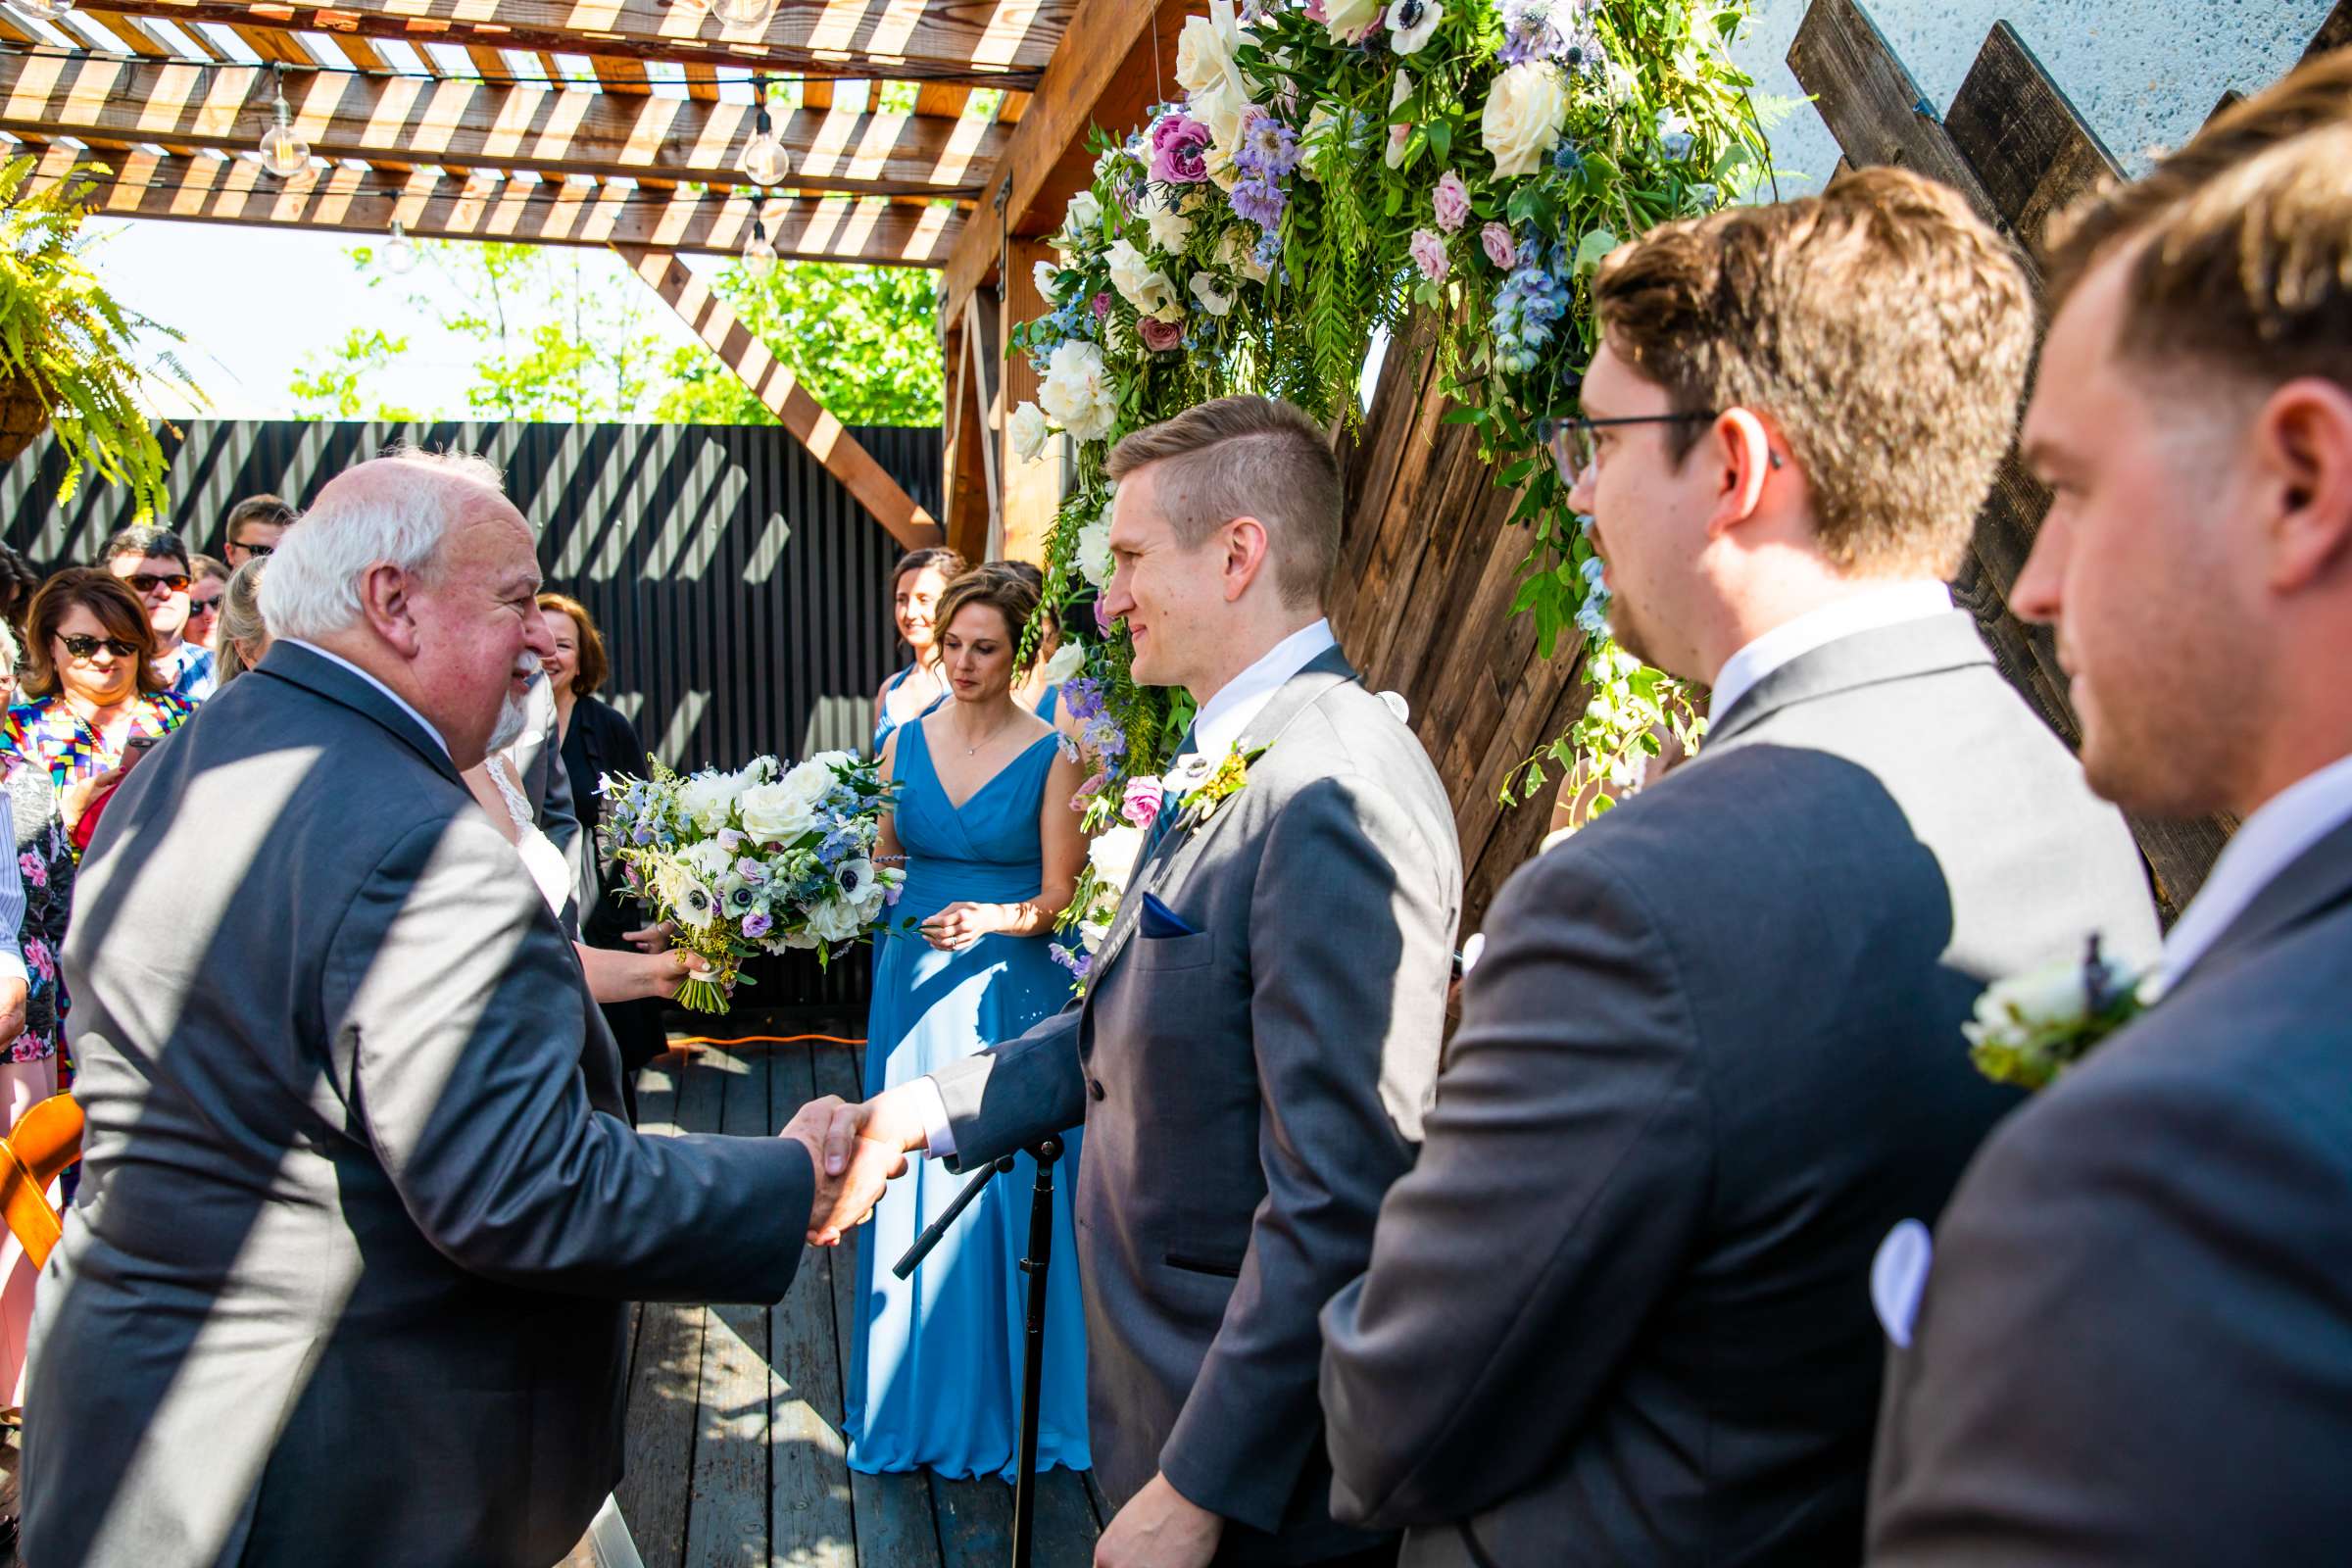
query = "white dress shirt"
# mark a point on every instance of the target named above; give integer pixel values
(1890, 606)
(398, 700)
(2265, 845)
(1216, 729)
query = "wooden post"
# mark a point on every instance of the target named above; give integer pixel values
(1032, 490)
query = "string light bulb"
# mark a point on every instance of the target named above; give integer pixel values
(764, 161)
(400, 252)
(43, 10)
(744, 13)
(283, 154)
(758, 255)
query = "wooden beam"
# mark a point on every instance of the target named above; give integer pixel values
(568, 130)
(207, 189)
(1032, 491)
(988, 42)
(781, 393)
(984, 534)
(1109, 72)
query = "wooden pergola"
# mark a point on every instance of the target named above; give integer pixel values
(622, 124)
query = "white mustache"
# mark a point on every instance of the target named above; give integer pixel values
(527, 666)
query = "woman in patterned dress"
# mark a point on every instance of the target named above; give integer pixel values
(90, 687)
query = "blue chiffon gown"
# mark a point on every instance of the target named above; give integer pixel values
(935, 1372)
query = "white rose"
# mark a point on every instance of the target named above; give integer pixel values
(828, 763)
(1523, 116)
(2024, 1004)
(1113, 853)
(1170, 226)
(834, 920)
(1084, 217)
(1221, 111)
(1400, 136)
(1205, 47)
(1212, 293)
(1348, 19)
(1076, 392)
(707, 860)
(777, 813)
(1029, 431)
(707, 799)
(1093, 933)
(1094, 551)
(1045, 275)
(1068, 660)
(1138, 282)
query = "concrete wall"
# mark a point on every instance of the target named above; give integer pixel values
(2144, 73)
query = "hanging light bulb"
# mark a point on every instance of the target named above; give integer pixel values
(764, 161)
(759, 256)
(43, 10)
(744, 13)
(400, 255)
(283, 153)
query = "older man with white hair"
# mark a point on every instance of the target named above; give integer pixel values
(345, 1278)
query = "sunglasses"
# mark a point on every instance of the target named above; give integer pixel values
(147, 583)
(255, 550)
(205, 607)
(87, 647)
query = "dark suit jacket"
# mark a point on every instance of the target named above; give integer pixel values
(2135, 1345)
(345, 1278)
(600, 741)
(1618, 1313)
(1248, 1091)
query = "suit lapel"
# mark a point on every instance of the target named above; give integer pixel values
(323, 677)
(1902, 652)
(1167, 865)
(2312, 883)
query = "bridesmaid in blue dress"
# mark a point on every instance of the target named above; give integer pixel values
(993, 853)
(915, 584)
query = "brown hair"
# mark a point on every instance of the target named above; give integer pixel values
(2246, 264)
(995, 584)
(1248, 457)
(105, 596)
(950, 563)
(269, 509)
(595, 667)
(202, 566)
(1882, 328)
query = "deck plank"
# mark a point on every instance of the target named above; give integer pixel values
(975, 1521)
(659, 1452)
(727, 1522)
(1065, 1521)
(895, 1526)
(810, 1478)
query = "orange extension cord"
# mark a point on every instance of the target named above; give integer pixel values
(686, 1041)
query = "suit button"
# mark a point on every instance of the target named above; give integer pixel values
(1093, 1087)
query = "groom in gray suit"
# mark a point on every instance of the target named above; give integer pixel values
(2135, 1342)
(1619, 1314)
(1254, 1052)
(345, 1280)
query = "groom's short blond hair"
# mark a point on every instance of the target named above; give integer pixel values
(1248, 457)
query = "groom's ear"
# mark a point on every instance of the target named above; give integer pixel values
(388, 602)
(1246, 546)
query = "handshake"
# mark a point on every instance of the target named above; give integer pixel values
(857, 1150)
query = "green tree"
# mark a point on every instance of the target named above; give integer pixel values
(328, 384)
(863, 340)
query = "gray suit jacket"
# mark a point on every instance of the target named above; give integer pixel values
(1619, 1312)
(2135, 1345)
(1249, 1091)
(345, 1277)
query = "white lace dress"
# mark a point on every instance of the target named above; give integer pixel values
(540, 857)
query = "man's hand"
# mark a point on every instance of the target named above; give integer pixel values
(893, 1119)
(1160, 1528)
(845, 1194)
(12, 1010)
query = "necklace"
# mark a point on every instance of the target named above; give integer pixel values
(973, 750)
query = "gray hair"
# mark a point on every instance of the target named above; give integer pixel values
(394, 509)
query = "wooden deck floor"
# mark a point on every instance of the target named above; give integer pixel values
(735, 1453)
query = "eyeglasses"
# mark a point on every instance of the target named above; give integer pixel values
(254, 549)
(205, 607)
(147, 583)
(1570, 441)
(87, 647)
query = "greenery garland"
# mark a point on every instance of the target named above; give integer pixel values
(1334, 167)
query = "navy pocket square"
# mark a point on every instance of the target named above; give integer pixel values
(1158, 921)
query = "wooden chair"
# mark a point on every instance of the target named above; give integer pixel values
(45, 1140)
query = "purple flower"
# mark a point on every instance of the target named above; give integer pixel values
(1159, 336)
(729, 840)
(1499, 249)
(1429, 254)
(1260, 201)
(1553, 29)
(1100, 306)
(1075, 960)
(751, 871)
(757, 924)
(1268, 147)
(1088, 791)
(1179, 150)
(1452, 202)
(1082, 694)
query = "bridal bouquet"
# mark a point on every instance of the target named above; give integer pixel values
(762, 859)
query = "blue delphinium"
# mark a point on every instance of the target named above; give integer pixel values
(1530, 300)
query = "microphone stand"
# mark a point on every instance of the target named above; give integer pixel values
(1033, 1322)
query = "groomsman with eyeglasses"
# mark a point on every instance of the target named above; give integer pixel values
(154, 564)
(1619, 1312)
(2136, 1339)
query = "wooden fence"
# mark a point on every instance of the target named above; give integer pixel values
(1428, 560)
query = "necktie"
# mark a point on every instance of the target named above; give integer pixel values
(1169, 807)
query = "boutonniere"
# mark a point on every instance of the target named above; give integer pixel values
(2031, 1027)
(1202, 788)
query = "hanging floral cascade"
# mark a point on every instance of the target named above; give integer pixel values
(1334, 167)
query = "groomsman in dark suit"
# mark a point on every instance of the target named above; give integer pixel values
(2135, 1342)
(1619, 1312)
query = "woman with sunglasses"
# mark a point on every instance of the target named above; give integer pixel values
(92, 692)
(209, 581)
